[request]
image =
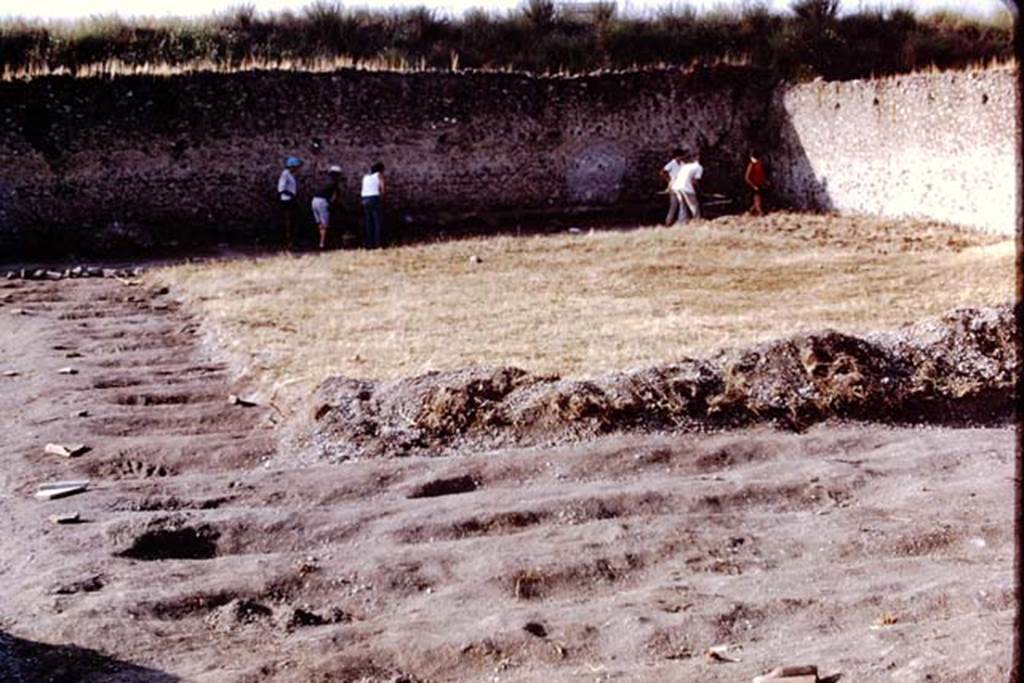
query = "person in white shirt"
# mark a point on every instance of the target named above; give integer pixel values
(287, 190)
(685, 187)
(372, 195)
(668, 174)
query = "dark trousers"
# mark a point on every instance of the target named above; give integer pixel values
(289, 217)
(373, 223)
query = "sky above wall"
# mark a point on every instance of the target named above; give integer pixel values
(71, 9)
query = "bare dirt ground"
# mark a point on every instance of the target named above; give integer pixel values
(204, 554)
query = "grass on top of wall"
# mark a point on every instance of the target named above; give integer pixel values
(812, 40)
(584, 305)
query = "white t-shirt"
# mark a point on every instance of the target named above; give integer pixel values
(286, 185)
(672, 168)
(371, 185)
(683, 181)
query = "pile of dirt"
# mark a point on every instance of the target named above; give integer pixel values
(955, 369)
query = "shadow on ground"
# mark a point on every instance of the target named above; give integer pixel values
(26, 661)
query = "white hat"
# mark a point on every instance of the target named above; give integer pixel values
(334, 169)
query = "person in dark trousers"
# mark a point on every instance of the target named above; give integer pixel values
(756, 179)
(372, 195)
(326, 195)
(287, 191)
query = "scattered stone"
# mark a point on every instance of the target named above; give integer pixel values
(12, 275)
(108, 272)
(61, 489)
(94, 272)
(72, 354)
(475, 259)
(299, 617)
(38, 274)
(19, 311)
(67, 371)
(77, 271)
(66, 518)
(886, 620)
(790, 674)
(11, 373)
(239, 401)
(66, 450)
(717, 653)
(80, 413)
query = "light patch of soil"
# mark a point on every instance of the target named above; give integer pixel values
(206, 554)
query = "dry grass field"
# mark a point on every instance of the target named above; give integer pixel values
(584, 304)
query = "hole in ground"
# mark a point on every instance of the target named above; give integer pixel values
(186, 543)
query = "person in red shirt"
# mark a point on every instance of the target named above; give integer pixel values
(756, 179)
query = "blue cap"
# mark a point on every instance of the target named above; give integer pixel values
(293, 162)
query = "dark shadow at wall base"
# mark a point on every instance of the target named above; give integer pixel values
(70, 244)
(26, 661)
(796, 184)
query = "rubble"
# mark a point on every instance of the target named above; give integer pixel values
(959, 368)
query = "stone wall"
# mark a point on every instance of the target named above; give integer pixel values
(137, 162)
(942, 146)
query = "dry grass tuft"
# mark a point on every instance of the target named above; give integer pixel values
(581, 305)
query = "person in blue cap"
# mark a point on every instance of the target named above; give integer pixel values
(287, 190)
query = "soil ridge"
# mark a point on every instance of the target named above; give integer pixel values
(955, 369)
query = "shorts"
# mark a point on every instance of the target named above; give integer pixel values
(321, 211)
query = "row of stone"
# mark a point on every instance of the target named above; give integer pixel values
(76, 272)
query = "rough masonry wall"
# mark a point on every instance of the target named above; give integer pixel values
(95, 163)
(942, 146)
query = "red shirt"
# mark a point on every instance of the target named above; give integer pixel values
(755, 173)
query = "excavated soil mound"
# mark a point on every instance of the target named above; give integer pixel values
(956, 369)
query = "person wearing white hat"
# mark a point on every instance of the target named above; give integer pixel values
(326, 194)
